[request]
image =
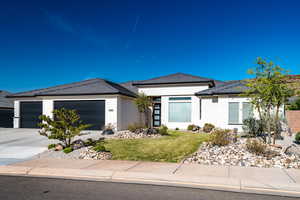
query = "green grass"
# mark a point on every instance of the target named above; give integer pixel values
(172, 148)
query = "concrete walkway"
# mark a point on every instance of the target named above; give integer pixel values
(255, 180)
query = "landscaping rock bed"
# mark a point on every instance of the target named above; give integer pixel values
(89, 154)
(86, 153)
(134, 135)
(236, 154)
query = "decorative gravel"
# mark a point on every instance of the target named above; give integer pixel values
(130, 135)
(236, 154)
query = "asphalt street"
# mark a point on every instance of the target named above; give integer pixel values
(31, 188)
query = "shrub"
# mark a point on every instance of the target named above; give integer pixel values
(163, 130)
(297, 137)
(99, 148)
(51, 146)
(207, 128)
(253, 127)
(255, 146)
(68, 150)
(191, 127)
(220, 137)
(177, 129)
(134, 127)
(90, 142)
(64, 127)
(295, 105)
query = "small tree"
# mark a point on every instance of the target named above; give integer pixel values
(64, 127)
(268, 92)
(143, 102)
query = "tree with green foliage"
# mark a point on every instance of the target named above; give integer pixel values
(143, 103)
(64, 127)
(268, 92)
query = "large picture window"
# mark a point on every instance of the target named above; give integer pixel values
(180, 109)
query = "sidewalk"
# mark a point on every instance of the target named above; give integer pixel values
(240, 179)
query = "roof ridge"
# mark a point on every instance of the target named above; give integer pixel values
(55, 86)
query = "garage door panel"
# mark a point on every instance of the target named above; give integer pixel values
(6, 118)
(29, 113)
(90, 111)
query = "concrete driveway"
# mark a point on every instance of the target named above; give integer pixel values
(20, 144)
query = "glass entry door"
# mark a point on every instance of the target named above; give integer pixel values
(157, 114)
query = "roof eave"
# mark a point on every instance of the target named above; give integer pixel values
(173, 83)
(38, 95)
(218, 93)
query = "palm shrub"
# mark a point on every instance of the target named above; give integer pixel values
(64, 127)
(143, 102)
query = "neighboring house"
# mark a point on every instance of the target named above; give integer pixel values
(179, 100)
(6, 110)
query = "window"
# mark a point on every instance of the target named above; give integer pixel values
(179, 98)
(247, 110)
(215, 99)
(233, 117)
(179, 111)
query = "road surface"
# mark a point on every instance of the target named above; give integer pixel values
(32, 188)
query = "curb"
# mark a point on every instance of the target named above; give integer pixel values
(110, 176)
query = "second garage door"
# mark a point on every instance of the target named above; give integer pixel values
(90, 111)
(30, 112)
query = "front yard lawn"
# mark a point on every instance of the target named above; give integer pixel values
(171, 148)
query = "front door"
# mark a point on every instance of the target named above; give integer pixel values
(157, 114)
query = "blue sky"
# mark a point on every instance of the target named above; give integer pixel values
(45, 43)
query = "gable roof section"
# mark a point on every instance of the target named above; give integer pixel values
(230, 87)
(4, 101)
(87, 87)
(175, 79)
(129, 85)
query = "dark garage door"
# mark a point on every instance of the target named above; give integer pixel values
(29, 113)
(91, 112)
(6, 117)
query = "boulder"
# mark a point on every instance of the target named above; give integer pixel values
(108, 132)
(58, 147)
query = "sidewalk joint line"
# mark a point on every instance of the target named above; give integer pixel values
(177, 168)
(129, 168)
(289, 175)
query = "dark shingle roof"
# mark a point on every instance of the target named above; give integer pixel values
(128, 85)
(175, 78)
(230, 87)
(5, 102)
(87, 87)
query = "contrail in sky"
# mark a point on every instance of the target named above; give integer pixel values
(137, 19)
(136, 23)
